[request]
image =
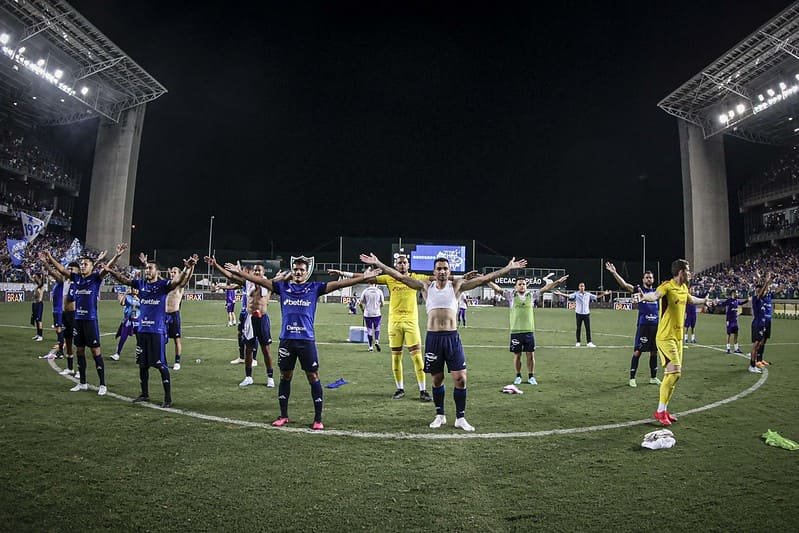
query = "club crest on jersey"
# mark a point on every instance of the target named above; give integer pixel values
(311, 262)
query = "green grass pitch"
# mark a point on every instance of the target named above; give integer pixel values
(78, 462)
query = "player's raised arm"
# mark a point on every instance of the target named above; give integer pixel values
(47, 258)
(211, 260)
(343, 273)
(374, 262)
(121, 278)
(121, 247)
(185, 274)
(552, 284)
(237, 271)
(513, 264)
(349, 282)
(610, 267)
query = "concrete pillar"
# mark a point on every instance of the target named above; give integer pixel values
(113, 185)
(704, 185)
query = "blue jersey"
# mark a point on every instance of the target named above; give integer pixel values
(731, 307)
(761, 308)
(58, 297)
(298, 308)
(87, 292)
(152, 305)
(230, 296)
(647, 311)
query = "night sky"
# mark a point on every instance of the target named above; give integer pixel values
(534, 131)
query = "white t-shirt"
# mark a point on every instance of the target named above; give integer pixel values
(372, 301)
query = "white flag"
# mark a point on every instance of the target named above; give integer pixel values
(31, 226)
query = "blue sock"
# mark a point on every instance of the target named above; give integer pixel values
(283, 393)
(460, 402)
(318, 401)
(438, 399)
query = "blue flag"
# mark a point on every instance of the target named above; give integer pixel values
(16, 250)
(72, 253)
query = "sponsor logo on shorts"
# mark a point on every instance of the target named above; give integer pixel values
(515, 342)
(430, 357)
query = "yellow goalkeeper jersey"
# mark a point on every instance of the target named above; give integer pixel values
(402, 299)
(672, 310)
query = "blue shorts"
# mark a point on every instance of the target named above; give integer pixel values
(690, 321)
(86, 333)
(173, 325)
(522, 342)
(443, 347)
(290, 350)
(761, 331)
(732, 327)
(645, 338)
(58, 319)
(229, 306)
(69, 324)
(261, 328)
(37, 309)
(150, 349)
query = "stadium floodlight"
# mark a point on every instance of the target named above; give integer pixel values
(770, 92)
(21, 50)
(731, 113)
(58, 73)
(783, 86)
(760, 97)
(723, 118)
(84, 90)
(33, 97)
(4, 38)
(40, 63)
(740, 108)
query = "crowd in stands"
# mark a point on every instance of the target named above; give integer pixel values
(778, 223)
(782, 173)
(745, 275)
(28, 158)
(54, 240)
(12, 204)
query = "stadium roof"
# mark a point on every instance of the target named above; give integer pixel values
(752, 90)
(95, 77)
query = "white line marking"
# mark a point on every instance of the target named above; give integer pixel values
(424, 436)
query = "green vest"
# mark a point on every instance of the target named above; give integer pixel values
(522, 319)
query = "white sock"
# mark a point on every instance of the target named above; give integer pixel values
(737, 347)
(728, 346)
(401, 385)
(661, 407)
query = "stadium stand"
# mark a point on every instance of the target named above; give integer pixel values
(744, 274)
